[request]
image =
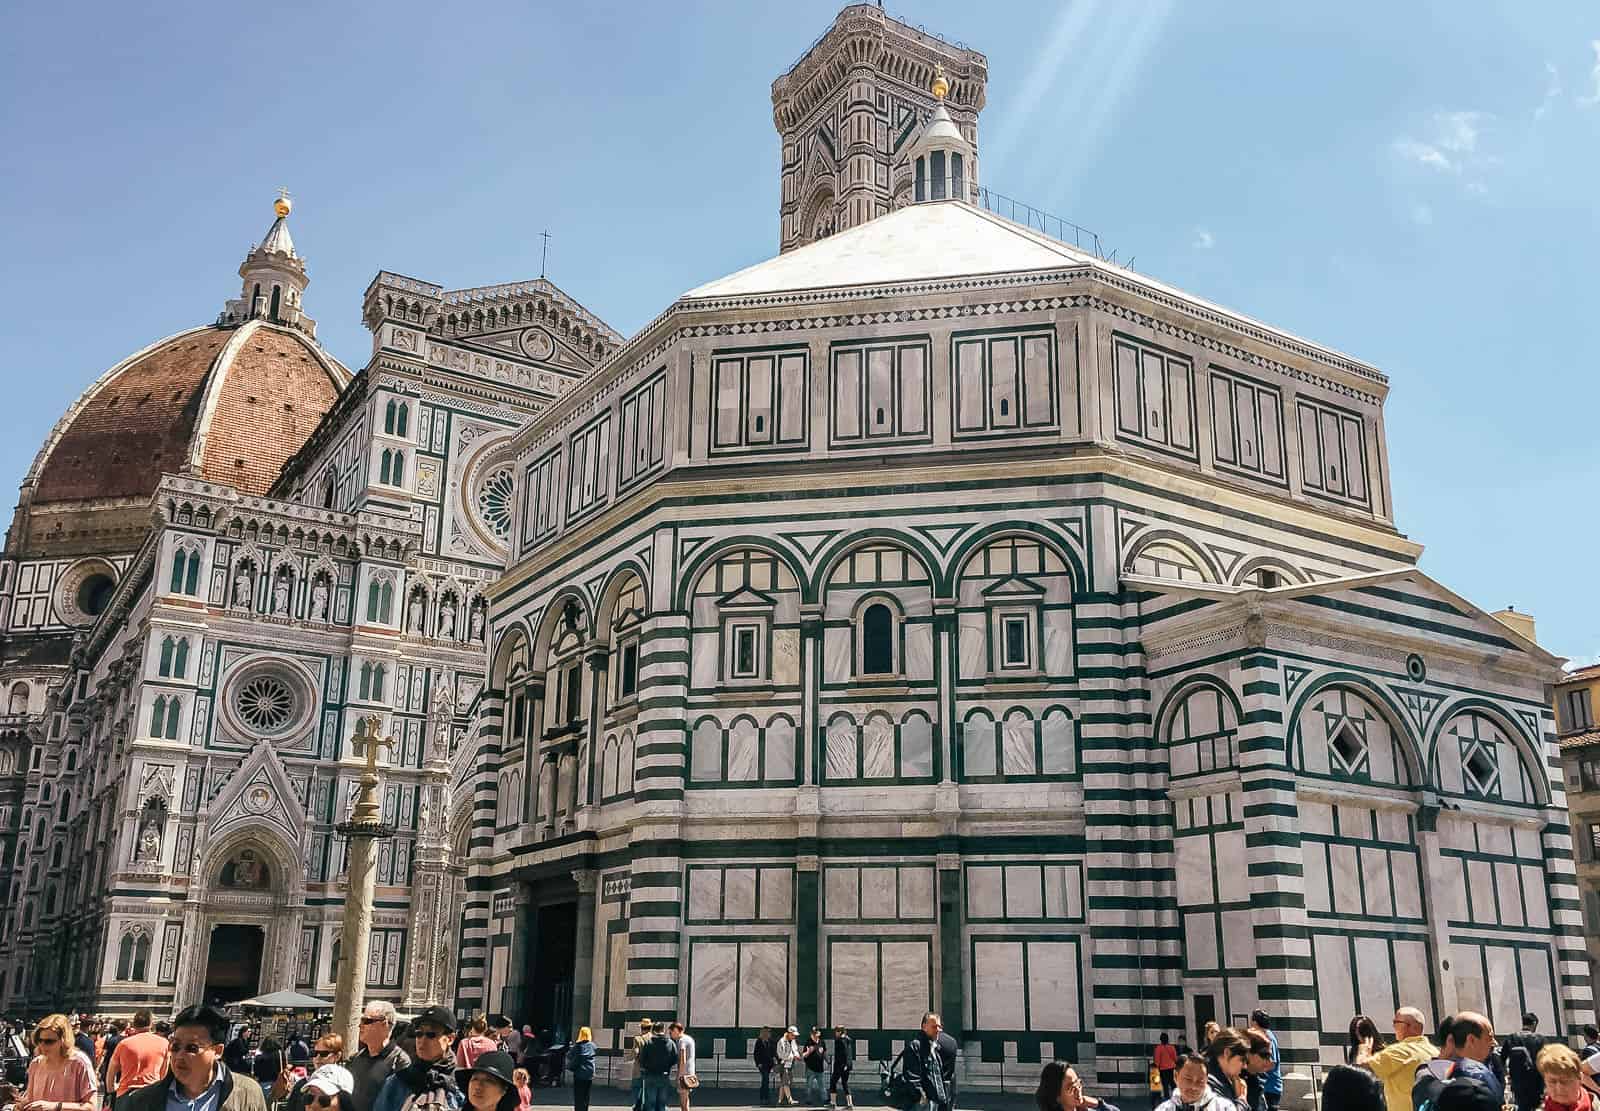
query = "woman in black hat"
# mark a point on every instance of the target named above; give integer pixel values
(489, 1083)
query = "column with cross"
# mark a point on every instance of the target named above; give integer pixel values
(362, 832)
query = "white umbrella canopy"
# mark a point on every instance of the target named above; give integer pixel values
(286, 1001)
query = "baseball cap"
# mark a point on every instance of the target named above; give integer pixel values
(435, 1016)
(330, 1079)
(794, 1030)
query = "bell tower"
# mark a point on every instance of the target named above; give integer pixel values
(848, 110)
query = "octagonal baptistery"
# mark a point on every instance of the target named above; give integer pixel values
(229, 402)
(831, 670)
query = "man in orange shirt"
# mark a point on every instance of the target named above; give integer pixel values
(139, 1059)
(1166, 1062)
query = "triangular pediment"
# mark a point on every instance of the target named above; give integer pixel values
(259, 792)
(1014, 586)
(746, 598)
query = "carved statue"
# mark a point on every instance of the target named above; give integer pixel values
(150, 842)
(447, 618)
(242, 584)
(476, 627)
(319, 599)
(280, 596)
(414, 614)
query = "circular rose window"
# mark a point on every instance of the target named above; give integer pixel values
(494, 502)
(265, 703)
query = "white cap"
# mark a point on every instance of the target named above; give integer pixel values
(329, 1079)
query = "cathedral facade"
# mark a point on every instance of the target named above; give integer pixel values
(935, 616)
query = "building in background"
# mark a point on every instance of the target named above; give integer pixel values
(1577, 696)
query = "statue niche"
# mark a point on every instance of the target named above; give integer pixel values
(245, 871)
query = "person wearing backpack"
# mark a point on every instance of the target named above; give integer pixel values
(1518, 1054)
(657, 1058)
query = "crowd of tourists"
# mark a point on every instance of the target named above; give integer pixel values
(200, 1062)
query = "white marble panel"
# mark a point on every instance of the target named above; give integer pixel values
(916, 747)
(1063, 897)
(1058, 642)
(1355, 821)
(1480, 881)
(918, 650)
(1016, 748)
(1200, 941)
(1533, 897)
(1372, 964)
(853, 983)
(1314, 862)
(878, 890)
(777, 892)
(1392, 826)
(778, 758)
(703, 659)
(1233, 881)
(714, 967)
(1238, 939)
(983, 890)
(1182, 759)
(1526, 842)
(1411, 965)
(841, 762)
(1194, 870)
(743, 748)
(978, 747)
(1059, 744)
(1316, 817)
(1375, 880)
(785, 656)
(1053, 992)
(998, 976)
(972, 645)
(1496, 839)
(1024, 891)
(1509, 886)
(705, 753)
(837, 664)
(841, 893)
(763, 983)
(1538, 995)
(916, 893)
(705, 894)
(1335, 989)
(1407, 885)
(877, 752)
(906, 981)
(1346, 880)
(617, 972)
(739, 893)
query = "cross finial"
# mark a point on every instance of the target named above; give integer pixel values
(367, 737)
(284, 194)
(544, 254)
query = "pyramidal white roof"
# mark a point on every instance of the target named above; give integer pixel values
(936, 240)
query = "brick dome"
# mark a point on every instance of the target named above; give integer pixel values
(230, 404)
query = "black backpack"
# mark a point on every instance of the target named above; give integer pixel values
(657, 1056)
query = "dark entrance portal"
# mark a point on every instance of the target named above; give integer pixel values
(554, 960)
(233, 963)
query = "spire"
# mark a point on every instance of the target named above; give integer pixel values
(944, 164)
(274, 278)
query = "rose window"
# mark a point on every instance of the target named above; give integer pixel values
(265, 703)
(494, 502)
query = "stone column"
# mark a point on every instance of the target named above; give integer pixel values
(944, 656)
(524, 942)
(812, 743)
(952, 985)
(362, 832)
(588, 881)
(597, 656)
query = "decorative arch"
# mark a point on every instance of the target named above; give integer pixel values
(507, 648)
(988, 534)
(1177, 542)
(1527, 749)
(1208, 731)
(555, 613)
(1186, 687)
(1379, 699)
(612, 589)
(287, 872)
(1266, 563)
(715, 550)
(836, 553)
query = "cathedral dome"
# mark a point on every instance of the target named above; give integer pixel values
(228, 404)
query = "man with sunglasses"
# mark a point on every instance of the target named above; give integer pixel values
(197, 1080)
(429, 1082)
(379, 1056)
(293, 1083)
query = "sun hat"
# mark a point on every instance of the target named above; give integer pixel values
(331, 1079)
(494, 1064)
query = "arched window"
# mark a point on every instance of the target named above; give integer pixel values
(401, 420)
(180, 659)
(364, 687)
(180, 563)
(388, 418)
(397, 476)
(380, 601)
(19, 699)
(167, 646)
(277, 296)
(328, 491)
(877, 640)
(333, 959)
(377, 683)
(385, 463)
(158, 716)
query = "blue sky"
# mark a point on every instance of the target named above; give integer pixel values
(1410, 183)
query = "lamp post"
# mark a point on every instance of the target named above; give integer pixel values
(362, 831)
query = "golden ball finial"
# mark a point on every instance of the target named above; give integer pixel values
(282, 206)
(941, 84)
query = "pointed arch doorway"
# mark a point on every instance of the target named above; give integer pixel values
(233, 962)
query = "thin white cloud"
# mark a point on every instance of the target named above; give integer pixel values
(1594, 78)
(1552, 91)
(1451, 143)
(1203, 240)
